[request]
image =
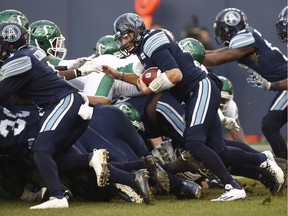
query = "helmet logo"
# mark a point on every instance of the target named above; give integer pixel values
(134, 20)
(11, 33)
(232, 18)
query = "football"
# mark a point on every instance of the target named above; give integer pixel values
(150, 74)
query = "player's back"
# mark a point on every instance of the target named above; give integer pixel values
(17, 129)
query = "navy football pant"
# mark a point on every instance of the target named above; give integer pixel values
(61, 126)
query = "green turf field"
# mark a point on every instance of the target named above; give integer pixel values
(258, 202)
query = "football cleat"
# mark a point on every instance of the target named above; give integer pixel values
(282, 163)
(128, 194)
(68, 195)
(271, 166)
(157, 173)
(195, 166)
(231, 194)
(189, 190)
(167, 145)
(53, 202)
(99, 163)
(269, 155)
(142, 186)
(189, 176)
(31, 196)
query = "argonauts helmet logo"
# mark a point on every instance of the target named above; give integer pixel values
(134, 19)
(11, 33)
(232, 18)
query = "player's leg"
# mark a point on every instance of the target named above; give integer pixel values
(203, 123)
(114, 126)
(273, 121)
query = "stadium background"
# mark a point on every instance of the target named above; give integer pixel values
(84, 22)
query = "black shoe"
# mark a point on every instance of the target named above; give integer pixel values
(68, 195)
(269, 182)
(196, 166)
(157, 173)
(142, 186)
(188, 190)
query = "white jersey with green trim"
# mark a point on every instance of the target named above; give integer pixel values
(101, 85)
(231, 110)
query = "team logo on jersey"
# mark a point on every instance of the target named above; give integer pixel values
(254, 57)
(232, 18)
(11, 33)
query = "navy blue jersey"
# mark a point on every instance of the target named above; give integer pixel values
(28, 74)
(266, 60)
(17, 130)
(157, 50)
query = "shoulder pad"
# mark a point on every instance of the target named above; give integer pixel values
(154, 42)
(241, 40)
(16, 66)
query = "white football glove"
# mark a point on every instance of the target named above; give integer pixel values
(88, 68)
(230, 124)
(256, 80)
(77, 63)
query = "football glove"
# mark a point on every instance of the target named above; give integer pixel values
(230, 123)
(88, 68)
(256, 80)
(77, 63)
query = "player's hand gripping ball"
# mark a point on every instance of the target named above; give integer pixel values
(150, 74)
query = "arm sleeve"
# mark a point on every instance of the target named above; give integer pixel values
(10, 85)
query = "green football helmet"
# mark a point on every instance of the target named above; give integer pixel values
(227, 92)
(106, 45)
(16, 16)
(47, 36)
(132, 113)
(194, 47)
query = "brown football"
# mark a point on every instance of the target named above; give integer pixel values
(150, 74)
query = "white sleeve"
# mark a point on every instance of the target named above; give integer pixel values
(232, 110)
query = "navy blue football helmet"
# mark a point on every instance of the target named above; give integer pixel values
(227, 23)
(281, 25)
(13, 36)
(129, 23)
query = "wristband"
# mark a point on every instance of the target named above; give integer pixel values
(78, 73)
(160, 83)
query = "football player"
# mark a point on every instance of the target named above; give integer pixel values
(246, 45)
(64, 109)
(155, 48)
(229, 108)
